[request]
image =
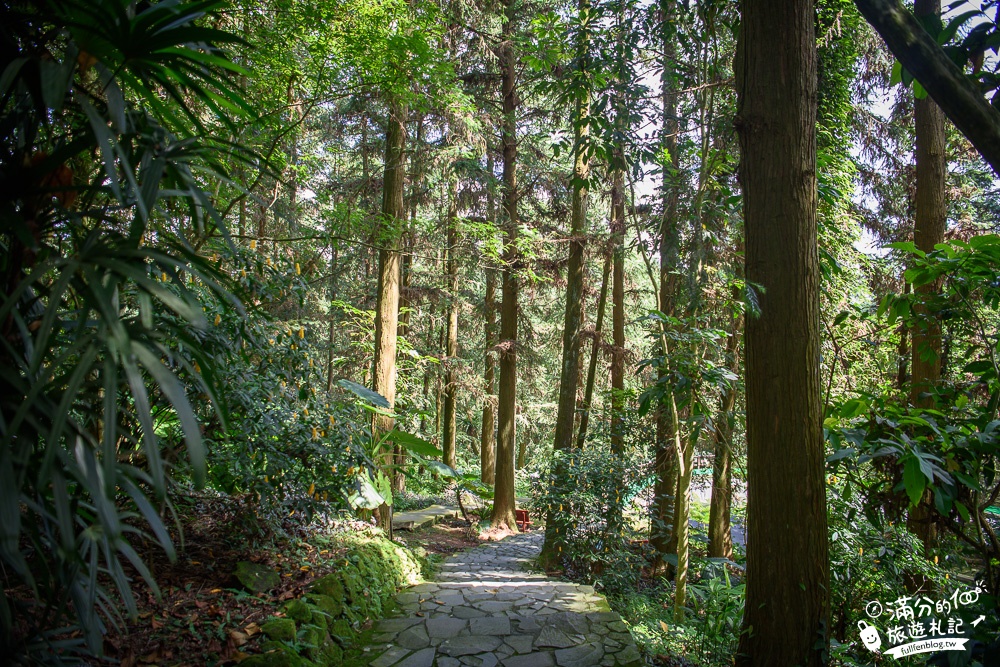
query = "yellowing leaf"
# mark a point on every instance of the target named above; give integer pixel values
(312, 489)
(253, 244)
(664, 626)
(298, 269)
(218, 319)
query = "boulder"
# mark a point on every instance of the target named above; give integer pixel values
(256, 578)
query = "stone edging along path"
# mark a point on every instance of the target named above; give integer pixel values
(486, 610)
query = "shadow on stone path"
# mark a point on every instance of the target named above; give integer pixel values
(486, 610)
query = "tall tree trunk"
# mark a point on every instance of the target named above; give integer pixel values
(720, 537)
(387, 308)
(295, 108)
(615, 517)
(930, 213)
(451, 345)
(618, 312)
(569, 377)
(406, 272)
(682, 528)
(595, 350)
(903, 351)
(667, 423)
(786, 619)
(930, 208)
(503, 500)
(334, 252)
(487, 442)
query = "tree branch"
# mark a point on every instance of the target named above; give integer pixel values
(920, 54)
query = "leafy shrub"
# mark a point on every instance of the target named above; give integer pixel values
(709, 634)
(105, 154)
(589, 503)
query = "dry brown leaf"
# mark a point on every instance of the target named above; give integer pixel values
(238, 637)
(252, 629)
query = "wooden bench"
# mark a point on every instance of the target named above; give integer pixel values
(522, 519)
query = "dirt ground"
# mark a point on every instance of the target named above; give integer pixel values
(204, 617)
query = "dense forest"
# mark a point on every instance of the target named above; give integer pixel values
(706, 291)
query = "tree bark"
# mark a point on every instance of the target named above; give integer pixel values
(682, 526)
(334, 253)
(451, 346)
(487, 443)
(569, 377)
(387, 307)
(503, 500)
(943, 80)
(720, 537)
(786, 619)
(930, 215)
(595, 350)
(618, 312)
(667, 423)
(930, 220)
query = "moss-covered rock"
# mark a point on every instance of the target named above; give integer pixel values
(275, 658)
(256, 578)
(328, 655)
(315, 629)
(280, 629)
(319, 619)
(298, 611)
(329, 586)
(341, 631)
(313, 636)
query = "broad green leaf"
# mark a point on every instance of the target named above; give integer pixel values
(841, 454)
(384, 487)
(365, 394)
(914, 480)
(366, 495)
(413, 444)
(441, 469)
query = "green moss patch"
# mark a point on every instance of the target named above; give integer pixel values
(312, 631)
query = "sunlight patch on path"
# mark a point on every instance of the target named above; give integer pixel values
(486, 610)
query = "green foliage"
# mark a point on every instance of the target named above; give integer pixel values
(872, 557)
(588, 502)
(709, 633)
(315, 629)
(106, 112)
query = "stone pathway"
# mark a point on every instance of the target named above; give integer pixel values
(428, 516)
(486, 610)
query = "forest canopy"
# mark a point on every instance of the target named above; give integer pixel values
(715, 312)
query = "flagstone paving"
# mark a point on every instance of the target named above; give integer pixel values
(486, 609)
